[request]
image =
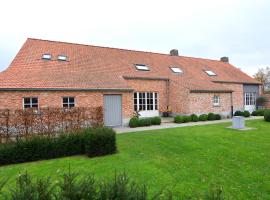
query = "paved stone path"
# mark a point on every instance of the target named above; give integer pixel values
(125, 129)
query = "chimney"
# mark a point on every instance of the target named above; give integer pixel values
(174, 52)
(224, 59)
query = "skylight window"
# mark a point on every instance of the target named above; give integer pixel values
(62, 58)
(210, 73)
(142, 67)
(47, 56)
(176, 70)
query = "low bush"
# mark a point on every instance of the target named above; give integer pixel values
(74, 186)
(254, 113)
(194, 118)
(100, 141)
(217, 117)
(246, 113)
(134, 122)
(187, 119)
(260, 112)
(155, 120)
(179, 119)
(211, 116)
(267, 115)
(203, 117)
(97, 141)
(145, 121)
(238, 113)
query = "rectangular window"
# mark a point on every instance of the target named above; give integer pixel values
(145, 101)
(30, 102)
(250, 99)
(68, 102)
(216, 100)
(142, 67)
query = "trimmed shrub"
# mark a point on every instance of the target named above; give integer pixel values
(194, 118)
(187, 119)
(260, 112)
(179, 119)
(254, 113)
(145, 121)
(97, 141)
(246, 113)
(100, 141)
(238, 113)
(267, 115)
(155, 120)
(203, 117)
(134, 122)
(217, 117)
(211, 116)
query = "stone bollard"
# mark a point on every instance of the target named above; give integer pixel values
(238, 122)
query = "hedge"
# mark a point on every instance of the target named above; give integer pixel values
(146, 121)
(194, 118)
(259, 112)
(243, 114)
(203, 117)
(267, 115)
(92, 141)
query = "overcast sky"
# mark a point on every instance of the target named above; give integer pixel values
(239, 29)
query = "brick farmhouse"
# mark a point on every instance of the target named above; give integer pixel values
(59, 74)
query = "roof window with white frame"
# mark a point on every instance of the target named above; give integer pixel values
(142, 67)
(62, 58)
(210, 73)
(46, 56)
(176, 70)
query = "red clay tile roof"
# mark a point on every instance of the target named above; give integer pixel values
(93, 67)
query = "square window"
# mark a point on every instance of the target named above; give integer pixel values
(30, 102)
(68, 102)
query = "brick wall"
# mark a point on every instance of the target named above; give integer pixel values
(14, 100)
(268, 102)
(201, 103)
(158, 86)
(238, 95)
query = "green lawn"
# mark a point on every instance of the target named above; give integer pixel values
(184, 160)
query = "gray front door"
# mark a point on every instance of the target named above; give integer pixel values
(113, 110)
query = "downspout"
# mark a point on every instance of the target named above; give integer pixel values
(168, 93)
(231, 104)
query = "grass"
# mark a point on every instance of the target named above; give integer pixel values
(185, 160)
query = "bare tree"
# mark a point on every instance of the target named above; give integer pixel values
(263, 76)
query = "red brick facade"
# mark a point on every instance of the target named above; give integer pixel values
(181, 101)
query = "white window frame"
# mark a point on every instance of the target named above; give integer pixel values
(62, 57)
(250, 99)
(68, 103)
(47, 56)
(216, 100)
(142, 67)
(210, 73)
(176, 70)
(144, 105)
(31, 102)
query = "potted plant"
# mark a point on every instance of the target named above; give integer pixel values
(168, 112)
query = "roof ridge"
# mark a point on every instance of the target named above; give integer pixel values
(122, 49)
